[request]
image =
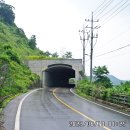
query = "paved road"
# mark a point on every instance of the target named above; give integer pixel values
(59, 109)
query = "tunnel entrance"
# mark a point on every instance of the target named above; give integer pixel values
(58, 75)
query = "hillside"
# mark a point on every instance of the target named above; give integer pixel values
(115, 80)
(11, 35)
(15, 77)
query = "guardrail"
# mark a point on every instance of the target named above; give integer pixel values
(121, 99)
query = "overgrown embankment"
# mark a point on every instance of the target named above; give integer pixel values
(102, 89)
(119, 95)
(15, 77)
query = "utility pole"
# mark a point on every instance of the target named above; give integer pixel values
(91, 52)
(91, 46)
(83, 39)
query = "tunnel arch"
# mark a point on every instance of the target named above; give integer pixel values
(58, 75)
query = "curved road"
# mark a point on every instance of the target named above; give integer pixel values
(59, 109)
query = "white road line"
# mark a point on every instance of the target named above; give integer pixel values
(17, 118)
(99, 104)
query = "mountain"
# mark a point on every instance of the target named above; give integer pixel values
(115, 80)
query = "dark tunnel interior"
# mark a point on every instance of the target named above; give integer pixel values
(58, 75)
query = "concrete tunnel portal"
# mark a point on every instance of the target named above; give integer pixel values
(58, 75)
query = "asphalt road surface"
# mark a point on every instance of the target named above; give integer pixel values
(59, 109)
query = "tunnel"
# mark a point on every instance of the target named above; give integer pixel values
(58, 75)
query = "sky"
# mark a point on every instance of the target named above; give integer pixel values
(56, 24)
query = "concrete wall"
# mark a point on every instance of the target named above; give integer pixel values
(38, 66)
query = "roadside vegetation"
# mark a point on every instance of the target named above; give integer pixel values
(49, 56)
(102, 88)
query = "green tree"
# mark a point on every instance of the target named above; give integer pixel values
(100, 76)
(47, 53)
(6, 13)
(67, 55)
(55, 54)
(32, 42)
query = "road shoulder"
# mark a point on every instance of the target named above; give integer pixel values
(10, 111)
(112, 108)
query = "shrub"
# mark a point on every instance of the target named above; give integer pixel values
(13, 56)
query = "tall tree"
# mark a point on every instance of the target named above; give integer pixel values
(55, 54)
(67, 55)
(6, 13)
(32, 42)
(47, 53)
(100, 76)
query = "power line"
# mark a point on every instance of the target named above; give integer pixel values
(104, 4)
(104, 8)
(112, 9)
(97, 8)
(111, 51)
(119, 34)
(110, 17)
(100, 5)
(115, 11)
(128, 45)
